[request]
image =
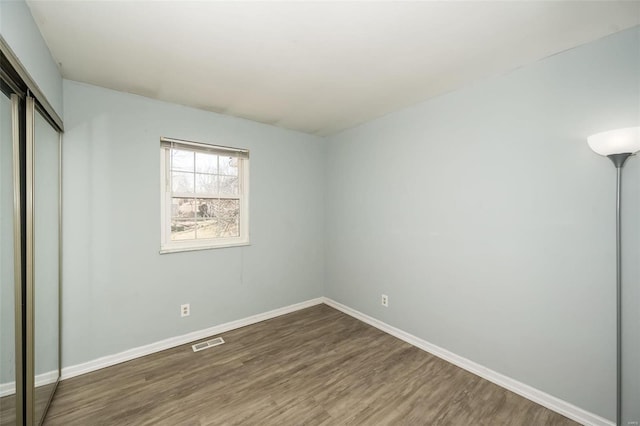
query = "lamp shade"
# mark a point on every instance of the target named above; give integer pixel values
(619, 141)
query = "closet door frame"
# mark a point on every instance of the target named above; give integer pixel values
(30, 299)
(17, 255)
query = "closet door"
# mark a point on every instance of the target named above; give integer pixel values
(9, 258)
(43, 261)
(30, 173)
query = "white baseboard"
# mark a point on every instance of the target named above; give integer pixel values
(109, 360)
(47, 378)
(551, 402)
(8, 388)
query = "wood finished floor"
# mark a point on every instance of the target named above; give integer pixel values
(8, 404)
(317, 366)
(8, 410)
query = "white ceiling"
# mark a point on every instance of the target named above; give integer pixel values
(317, 67)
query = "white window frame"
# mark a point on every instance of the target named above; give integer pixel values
(166, 195)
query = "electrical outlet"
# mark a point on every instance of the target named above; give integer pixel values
(185, 310)
(385, 300)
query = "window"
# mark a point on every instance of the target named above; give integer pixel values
(205, 196)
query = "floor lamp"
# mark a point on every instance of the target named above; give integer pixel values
(617, 145)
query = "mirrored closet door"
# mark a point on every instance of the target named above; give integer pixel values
(9, 258)
(30, 213)
(43, 152)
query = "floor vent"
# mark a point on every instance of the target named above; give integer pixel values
(208, 344)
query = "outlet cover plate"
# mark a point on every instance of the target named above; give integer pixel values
(185, 310)
(384, 300)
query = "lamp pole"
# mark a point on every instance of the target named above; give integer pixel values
(618, 161)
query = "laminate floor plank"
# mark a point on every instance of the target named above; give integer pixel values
(8, 410)
(8, 404)
(316, 366)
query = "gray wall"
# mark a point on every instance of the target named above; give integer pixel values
(489, 223)
(119, 292)
(19, 30)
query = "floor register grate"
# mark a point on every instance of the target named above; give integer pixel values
(208, 344)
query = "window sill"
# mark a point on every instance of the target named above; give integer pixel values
(178, 249)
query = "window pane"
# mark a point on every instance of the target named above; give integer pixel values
(228, 185)
(207, 228)
(182, 160)
(182, 182)
(183, 219)
(228, 214)
(229, 226)
(205, 209)
(229, 166)
(206, 184)
(218, 218)
(206, 163)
